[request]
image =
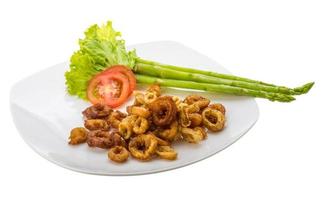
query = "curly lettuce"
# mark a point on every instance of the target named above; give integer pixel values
(101, 48)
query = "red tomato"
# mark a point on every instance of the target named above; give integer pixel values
(111, 89)
(125, 71)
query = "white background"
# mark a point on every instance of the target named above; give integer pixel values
(285, 155)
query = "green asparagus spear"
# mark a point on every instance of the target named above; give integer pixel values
(197, 71)
(214, 88)
(163, 72)
(229, 79)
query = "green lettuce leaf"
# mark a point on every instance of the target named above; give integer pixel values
(101, 48)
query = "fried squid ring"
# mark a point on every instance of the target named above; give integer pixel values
(126, 126)
(139, 98)
(166, 152)
(118, 154)
(160, 141)
(213, 119)
(219, 107)
(193, 108)
(115, 118)
(139, 111)
(188, 116)
(180, 105)
(96, 124)
(128, 109)
(117, 140)
(100, 139)
(178, 136)
(177, 101)
(195, 119)
(104, 139)
(141, 125)
(152, 126)
(163, 111)
(149, 97)
(97, 111)
(200, 101)
(184, 119)
(194, 135)
(170, 133)
(155, 88)
(143, 147)
(78, 135)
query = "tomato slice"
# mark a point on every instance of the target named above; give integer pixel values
(112, 89)
(125, 71)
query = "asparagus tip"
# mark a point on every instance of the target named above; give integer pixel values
(304, 88)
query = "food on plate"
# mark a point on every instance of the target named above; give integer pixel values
(104, 71)
(197, 100)
(160, 141)
(219, 107)
(140, 125)
(99, 138)
(163, 110)
(213, 119)
(125, 71)
(150, 128)
(166, 152)
(97, 111)
(196, 119)
(118, 154)
(139, 111)
(143, 147)
(109, 88)
(104, 139)
(170, 132)
(126, 126)
(194, 135)
(115, 118)
(78, 135)
(96, 124)
(154, 89)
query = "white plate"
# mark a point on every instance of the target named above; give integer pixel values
(44, 115)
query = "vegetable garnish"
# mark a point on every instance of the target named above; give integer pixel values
(125, 71)
(103, 47)
(110, 88)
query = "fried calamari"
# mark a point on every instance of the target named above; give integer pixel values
(139, 111)
(169, 133)
(115, 118)
(198, 100)
(97, 111)
(104, 139)
(213, 119)
(151, 126)
(140, 126)
(166, 152)
(126, 126)
(78, 135)
(143, 147)
(154, 88)
(194, 135)
(118, 154)
(163, 111)
(96, 124)
(219, 107)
